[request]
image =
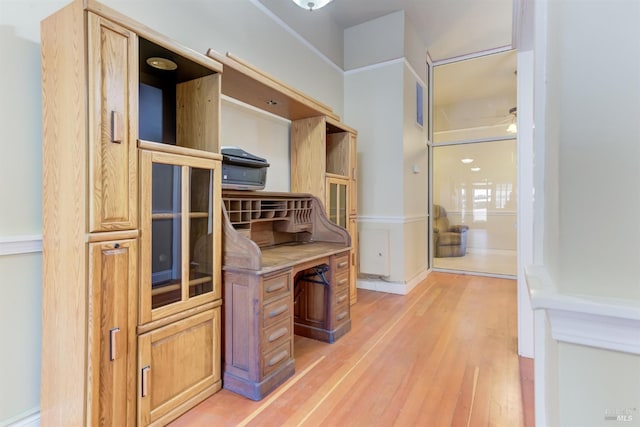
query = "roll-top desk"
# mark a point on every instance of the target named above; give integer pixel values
(285, 271)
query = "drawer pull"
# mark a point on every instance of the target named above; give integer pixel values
(278, 334)
(278, 357)
(343, 264)
(341, 298)
(342, 281)
(113, 344)
(278, 311)
(145, 380)
(276, 287)
(342, 315)
(117, 127)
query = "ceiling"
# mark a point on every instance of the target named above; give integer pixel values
(450, 29)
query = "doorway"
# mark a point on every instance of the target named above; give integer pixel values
(474, 174)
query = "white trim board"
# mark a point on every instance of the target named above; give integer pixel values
(607, 323)
(391, 219)
(398, 288)
(385, 64)
(16, 245)
(30, 420)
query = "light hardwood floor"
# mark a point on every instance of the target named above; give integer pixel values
(444, 355)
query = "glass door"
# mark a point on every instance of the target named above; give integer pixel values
(336, 200)
(180, 233)
(474, 207)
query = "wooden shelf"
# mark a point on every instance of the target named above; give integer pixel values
(244, 211)
(248, 84)
(172, 215)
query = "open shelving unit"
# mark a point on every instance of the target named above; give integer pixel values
(288, 215)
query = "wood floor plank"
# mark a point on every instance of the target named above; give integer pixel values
(444, 355)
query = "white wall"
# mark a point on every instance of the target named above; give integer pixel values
(415, 171)
(225, 25)
(588, 191)
(380, 101)
(375, 41)
(261, 134)
(598, 101)
(373, 106)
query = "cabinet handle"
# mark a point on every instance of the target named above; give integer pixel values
(116, 127)
(342, 315)
(113, 344)
(276, 287)
(278, 311)
(145, 380)
(342, 281)
(341, 298)
(278, 334)
(278, 357)
(342, 264)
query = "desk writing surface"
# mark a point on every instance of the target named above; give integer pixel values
(290, 254)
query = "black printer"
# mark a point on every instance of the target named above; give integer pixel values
(242, 170)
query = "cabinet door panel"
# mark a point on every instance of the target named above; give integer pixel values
(336, 200)
(178, 363)
(112, 126)
(180, 228)
(353, 270)
(353, 176)
(112, 288)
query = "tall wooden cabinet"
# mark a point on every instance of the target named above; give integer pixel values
(109, 355)
(324, 163)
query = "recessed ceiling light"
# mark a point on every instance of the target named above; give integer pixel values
(475, 169)
(162, 63)
(466, 161)
(272, 102)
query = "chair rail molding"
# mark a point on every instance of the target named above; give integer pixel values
(21, 244)
(607, 323)
(391, 219)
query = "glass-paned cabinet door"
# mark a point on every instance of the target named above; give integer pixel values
(180, 233)
(336, 200)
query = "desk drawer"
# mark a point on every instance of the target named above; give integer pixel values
(342, 297)
(275, 285)
(275, 358)
(341, 281)
(341, 311)
(276, 311)
(341, 263)
(275, 335)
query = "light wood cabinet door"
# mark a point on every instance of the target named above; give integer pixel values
(179, 366)
(112, 77)
(112, 296)
(308, 156)
(353, 175)
(337, 200)
(180, 266)
(353, 271)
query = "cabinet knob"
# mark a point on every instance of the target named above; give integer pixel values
(117, 245)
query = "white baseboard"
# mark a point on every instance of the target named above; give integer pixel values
(30, 420)
(398, 288)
